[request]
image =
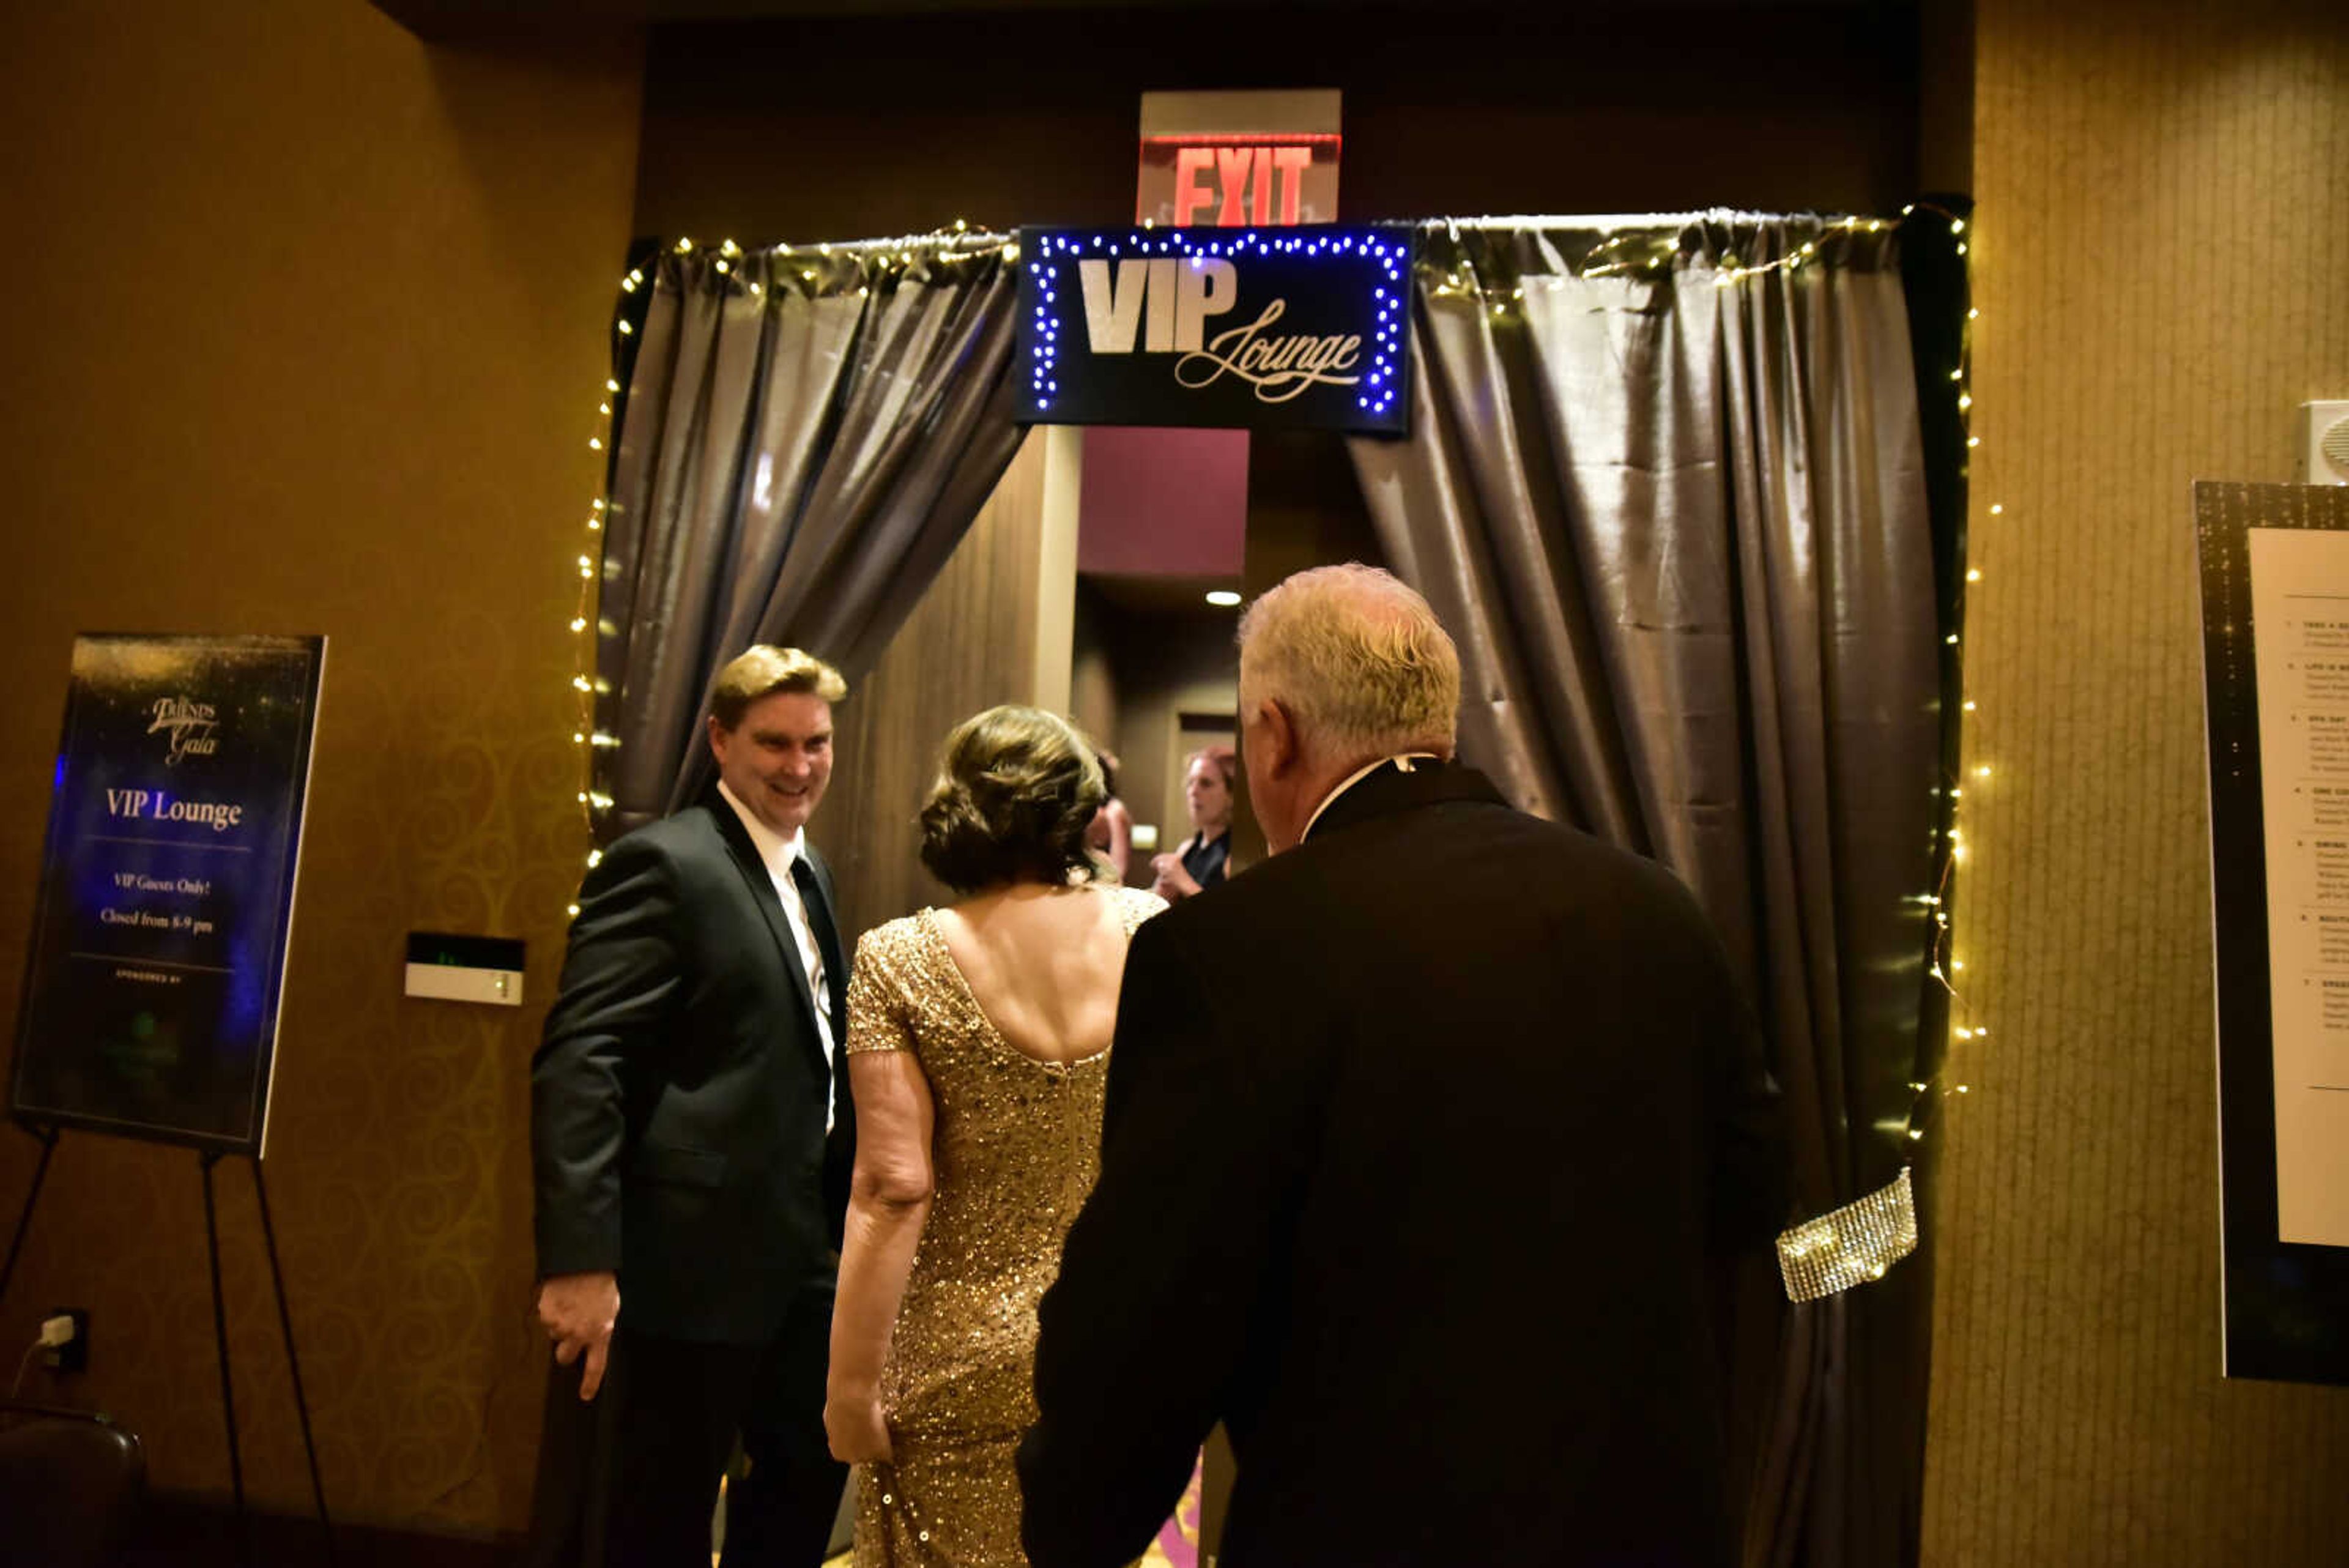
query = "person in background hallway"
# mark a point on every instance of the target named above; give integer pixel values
(1201, 862)
(692, 1134)
(1419, 1140)
(1111, 834)
(977, 1040)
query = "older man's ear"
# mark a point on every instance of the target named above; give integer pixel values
(1273, 754)
(1272, 748)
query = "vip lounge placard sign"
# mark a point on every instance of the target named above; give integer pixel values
(167, 888)
(1242, 328)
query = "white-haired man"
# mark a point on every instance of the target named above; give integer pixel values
(1418, 1139)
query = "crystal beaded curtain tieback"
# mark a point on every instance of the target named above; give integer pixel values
(1851, 1245)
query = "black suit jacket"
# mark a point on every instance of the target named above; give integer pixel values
(677, 1100)
(1418, 1141)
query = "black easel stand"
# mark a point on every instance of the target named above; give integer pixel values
(206, 1160)
(49, 1137)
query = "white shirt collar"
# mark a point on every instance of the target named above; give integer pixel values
(1401, 760)
(775, 852)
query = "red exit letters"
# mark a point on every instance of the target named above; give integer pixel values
(1237, 185)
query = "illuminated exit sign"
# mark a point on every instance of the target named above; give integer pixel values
(1238, 160)
(1259, 184)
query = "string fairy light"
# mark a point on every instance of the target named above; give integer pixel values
(581, 626)
(1857, 1243)
(764, 277)
(1852, 1245)
(1965, 1031)
(1660, 246)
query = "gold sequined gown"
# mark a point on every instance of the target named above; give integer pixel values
(1015, 1148)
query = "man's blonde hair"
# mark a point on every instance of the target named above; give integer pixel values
(1357, 658)
(763, 671)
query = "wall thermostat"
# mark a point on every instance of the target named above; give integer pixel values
(2324, 444)
(454, 968)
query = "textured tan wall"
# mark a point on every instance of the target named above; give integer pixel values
(971, 643)
(305, 332)
(2162, 267)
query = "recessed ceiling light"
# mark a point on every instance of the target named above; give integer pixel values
(1223, 599)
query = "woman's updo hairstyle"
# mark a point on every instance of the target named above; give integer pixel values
(1017, 788)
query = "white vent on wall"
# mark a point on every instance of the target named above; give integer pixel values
(2324, 444)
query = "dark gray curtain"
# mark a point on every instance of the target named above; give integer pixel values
(806, 436)
(1664, 480)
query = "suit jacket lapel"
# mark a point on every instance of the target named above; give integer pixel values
(827, 942)
(835, 965)
(762, 886)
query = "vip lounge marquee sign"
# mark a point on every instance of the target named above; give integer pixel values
(1295, 327)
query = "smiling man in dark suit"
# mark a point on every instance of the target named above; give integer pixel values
(692, 1136)
(1419, 1139)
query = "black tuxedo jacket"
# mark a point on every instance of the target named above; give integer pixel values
(1419, 1139)
(677, 1100)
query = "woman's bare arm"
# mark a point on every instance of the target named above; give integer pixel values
(888, 1203)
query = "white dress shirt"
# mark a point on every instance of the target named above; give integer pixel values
(777, 853)
(1401, 760)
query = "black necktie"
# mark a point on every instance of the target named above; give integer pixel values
(836, 975)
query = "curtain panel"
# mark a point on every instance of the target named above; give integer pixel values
(807, 434)
(1665, 483)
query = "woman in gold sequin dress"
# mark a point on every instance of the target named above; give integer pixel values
(979, 1041)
